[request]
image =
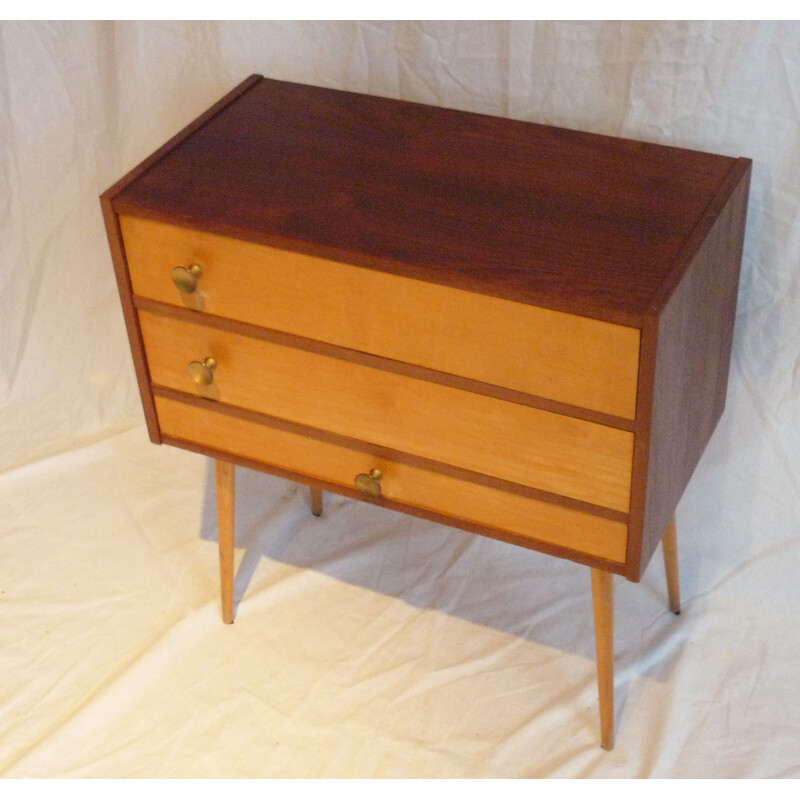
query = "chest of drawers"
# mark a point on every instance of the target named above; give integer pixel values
(513, 329)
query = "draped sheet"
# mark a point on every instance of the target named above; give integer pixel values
(367, 643)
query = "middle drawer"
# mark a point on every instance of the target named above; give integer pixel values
(547, 451)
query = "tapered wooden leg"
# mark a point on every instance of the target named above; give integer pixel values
(225, 484)
(603, 601)
(316, 501)
(670, 546)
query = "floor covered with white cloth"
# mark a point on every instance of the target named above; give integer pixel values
(366, 643)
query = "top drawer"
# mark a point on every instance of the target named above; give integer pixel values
(575, 360)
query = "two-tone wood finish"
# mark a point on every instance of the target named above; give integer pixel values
(525, 330)
(587, 224)
(599, 229)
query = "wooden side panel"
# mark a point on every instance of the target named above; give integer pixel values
(131, 319)
(525, 517)
(641, 445)
(695, 333)
(575, 360)
(557, 454)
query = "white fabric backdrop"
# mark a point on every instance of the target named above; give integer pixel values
(91, 532)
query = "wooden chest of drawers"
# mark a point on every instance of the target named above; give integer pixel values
(514, 329)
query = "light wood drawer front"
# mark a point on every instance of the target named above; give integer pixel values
(552, 452)
(570, 359)
(402, 483)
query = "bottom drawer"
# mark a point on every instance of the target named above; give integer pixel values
(526, 517)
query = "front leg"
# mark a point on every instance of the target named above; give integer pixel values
(225, 502)
(603, 602)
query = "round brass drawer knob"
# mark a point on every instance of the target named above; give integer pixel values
(202, 372)
(185, 278)
(369, 485)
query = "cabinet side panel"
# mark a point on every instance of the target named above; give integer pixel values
(641, 446)
(695, 334)
(131, 319)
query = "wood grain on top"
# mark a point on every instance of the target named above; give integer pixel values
(574, 221)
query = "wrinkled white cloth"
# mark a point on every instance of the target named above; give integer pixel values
(367, 643)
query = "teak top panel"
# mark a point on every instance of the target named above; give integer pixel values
(574, 221)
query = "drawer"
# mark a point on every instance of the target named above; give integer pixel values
(421, 489)
(569, 359)
(551, 452)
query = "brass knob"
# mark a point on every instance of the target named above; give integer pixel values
(370, 485)
(202, 372)
(185, 278)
